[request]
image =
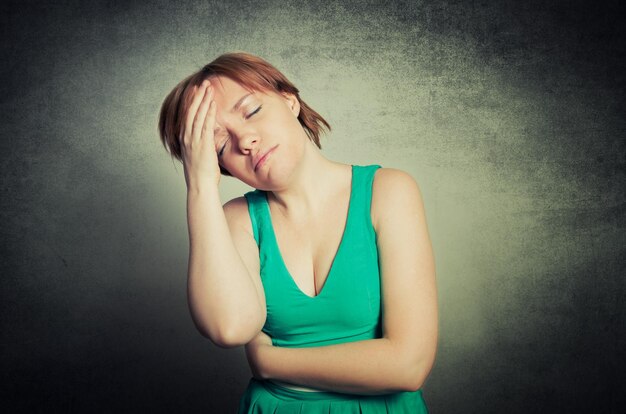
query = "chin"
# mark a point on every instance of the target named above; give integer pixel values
(275, 177)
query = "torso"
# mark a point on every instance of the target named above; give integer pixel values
(304, 247)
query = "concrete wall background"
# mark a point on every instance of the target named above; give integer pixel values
(509, 114)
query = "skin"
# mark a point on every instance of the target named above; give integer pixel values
(308, 196)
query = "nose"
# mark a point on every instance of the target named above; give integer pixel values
(248, 141)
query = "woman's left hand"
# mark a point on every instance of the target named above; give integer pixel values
(254, 352)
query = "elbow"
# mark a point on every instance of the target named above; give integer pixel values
(228, 338)
(414, 382)
(224, 339)
(415, 374)
(231, 335)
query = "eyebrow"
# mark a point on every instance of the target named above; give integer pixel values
(239, 102)
(235, 108)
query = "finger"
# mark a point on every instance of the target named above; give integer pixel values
(193, 108)
(209, 122)
(200, 112)
(201, 115)
(184, 129)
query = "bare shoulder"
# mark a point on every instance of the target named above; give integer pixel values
(394, 190)
(390, 180)
(237, 216)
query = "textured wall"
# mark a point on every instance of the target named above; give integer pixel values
(509, 114)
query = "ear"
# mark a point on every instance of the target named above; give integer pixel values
(292, 103)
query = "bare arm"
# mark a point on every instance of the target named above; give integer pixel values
(225, 295)
(402, 359)
(226, 298)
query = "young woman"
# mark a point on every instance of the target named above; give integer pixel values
(325, 272)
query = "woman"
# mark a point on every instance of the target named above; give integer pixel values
(325, 272)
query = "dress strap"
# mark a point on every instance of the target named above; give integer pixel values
(361, 224)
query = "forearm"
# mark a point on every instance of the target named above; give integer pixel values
(223, 300)
(376, 366)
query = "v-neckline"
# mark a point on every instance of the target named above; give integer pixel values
(332, 264)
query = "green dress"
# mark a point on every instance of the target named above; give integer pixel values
(347, 309)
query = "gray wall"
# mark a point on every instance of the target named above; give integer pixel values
(509, 114)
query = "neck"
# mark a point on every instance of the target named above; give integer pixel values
(314, 180)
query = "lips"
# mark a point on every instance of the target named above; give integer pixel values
(260, 159)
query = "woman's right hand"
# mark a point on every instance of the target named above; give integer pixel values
(198, 142)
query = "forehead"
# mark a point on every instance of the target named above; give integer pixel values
(226, 93)
(227, 87)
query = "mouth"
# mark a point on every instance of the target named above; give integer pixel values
(261, 160)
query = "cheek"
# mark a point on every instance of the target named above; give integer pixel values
(283, 125)
(230, 165)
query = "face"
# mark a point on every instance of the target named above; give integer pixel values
(258, 137)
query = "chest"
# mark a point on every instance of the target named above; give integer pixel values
(309, 249)
(344, 306)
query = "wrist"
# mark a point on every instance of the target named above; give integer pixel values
(257, 355)
(264, 368)
(197, 191)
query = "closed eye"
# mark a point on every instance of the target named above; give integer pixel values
(254, 112)
(221, 151)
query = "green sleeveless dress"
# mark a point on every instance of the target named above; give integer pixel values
(347, 309)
